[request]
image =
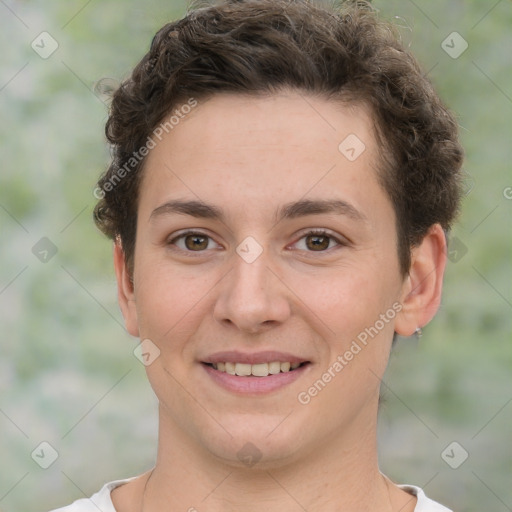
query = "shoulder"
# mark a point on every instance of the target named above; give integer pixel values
(423, 504)
(99, 501)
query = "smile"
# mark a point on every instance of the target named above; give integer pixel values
(255, 370)
(255, 379)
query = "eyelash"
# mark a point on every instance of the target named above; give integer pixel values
(314, 232)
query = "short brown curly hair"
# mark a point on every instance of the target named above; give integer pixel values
(345, 53)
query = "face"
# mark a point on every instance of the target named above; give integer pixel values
(261, 240)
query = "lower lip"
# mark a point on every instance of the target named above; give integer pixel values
(255, 385)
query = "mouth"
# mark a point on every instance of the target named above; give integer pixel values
(256, 370)
(254, 374)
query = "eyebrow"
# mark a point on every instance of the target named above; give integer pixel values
(293, 210)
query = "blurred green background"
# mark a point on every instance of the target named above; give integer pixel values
(68, 375)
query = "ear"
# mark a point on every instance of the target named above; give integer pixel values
(421, 291)
(125, 291)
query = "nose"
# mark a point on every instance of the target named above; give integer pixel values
(251, 296)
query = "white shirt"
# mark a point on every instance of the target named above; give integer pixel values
(102, 502)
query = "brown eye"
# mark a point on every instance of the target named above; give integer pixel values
(196, 242)
(192, 241)
(317, 242)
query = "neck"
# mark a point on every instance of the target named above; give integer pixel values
(341, 472)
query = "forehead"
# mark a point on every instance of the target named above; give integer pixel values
(251, 151)
(226, 121)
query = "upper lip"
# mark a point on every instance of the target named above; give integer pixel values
(267, 356)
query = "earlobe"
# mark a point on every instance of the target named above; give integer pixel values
(125, 290)
(421, 292)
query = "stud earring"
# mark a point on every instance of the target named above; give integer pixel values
(418, 332)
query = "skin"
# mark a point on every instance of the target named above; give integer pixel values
(250, 156)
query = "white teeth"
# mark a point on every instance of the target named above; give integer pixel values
(230, 368)
(242, 369)
(257, 370)
(274, 367)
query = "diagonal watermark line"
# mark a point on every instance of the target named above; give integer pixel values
(17, 426)
(487, 281)
(73, 482)
(93, 297)
(13, 13)
(431, 69)
(485, 218)
(88, 412)
(280, 423)
(217, 486)
(499, 411)
(76, 14)
(13, 279)
(323, 118)
(14, 218)
(423, 280)
(407, 503)
(197, 401)
(486, 14)
(13, 77)
(85, 495)
(424, 14)
(78, 77)
(424, 486)
(403, 403)
(14, 486)
(84, 83)
(285, 490)
(490, 490)
(73, 219)
(492, 81)
(196, 303)
(301, 300)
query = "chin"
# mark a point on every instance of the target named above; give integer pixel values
(255, 442)
(255, 454)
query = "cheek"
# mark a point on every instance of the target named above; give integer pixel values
(170, 299)
(345, 299)
(349, 303)
(357, 319)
